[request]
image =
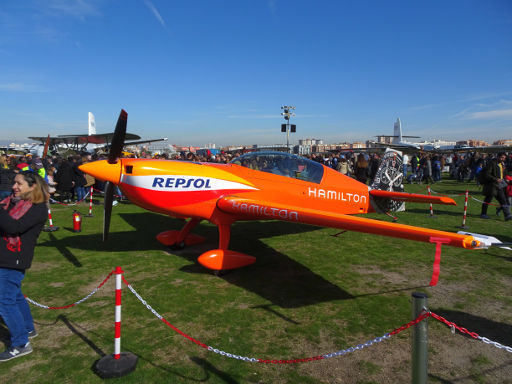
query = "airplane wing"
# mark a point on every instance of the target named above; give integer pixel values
(128, 143)
(53, 140)
(254, 209)
(98, 138)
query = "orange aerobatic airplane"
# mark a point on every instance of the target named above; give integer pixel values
(258, 186)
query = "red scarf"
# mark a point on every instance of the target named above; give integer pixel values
(20, 208)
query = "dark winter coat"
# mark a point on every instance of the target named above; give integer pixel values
(78, 176)
(490, 178)
(64, 177)
(28, 227)
(6, 179)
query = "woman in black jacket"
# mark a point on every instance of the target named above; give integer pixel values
(22, 217)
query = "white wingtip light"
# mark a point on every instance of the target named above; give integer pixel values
(486, 241)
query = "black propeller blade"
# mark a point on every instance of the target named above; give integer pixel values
(107, 208)
(116, 149)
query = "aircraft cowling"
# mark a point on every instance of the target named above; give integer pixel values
(103, 170)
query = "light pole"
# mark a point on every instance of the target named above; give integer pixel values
(288, 127)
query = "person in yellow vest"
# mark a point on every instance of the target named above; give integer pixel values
(37, 165)
(494, 185)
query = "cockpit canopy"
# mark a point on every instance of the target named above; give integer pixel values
(283, 164)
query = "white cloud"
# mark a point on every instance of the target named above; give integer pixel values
(496, 114)
(75, 8)
(20, 87)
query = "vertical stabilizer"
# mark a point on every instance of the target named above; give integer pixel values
(397, 133)
(92, 124)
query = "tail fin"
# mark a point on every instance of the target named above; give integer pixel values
(92, 124)
(397, 133)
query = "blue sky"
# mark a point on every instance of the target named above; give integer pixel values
(218, 71)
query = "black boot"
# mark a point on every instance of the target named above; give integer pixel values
(483, 215)
(506, 211)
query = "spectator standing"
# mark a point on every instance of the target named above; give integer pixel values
(361, 169)
(22, 217)
(436, 169)
(79, 180)
(494, 185)
(64, 178)
(405, 162)
(373, 166)
(344, 166)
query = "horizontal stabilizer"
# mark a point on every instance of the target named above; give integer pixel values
(412, 197)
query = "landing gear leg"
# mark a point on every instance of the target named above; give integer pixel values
(179, 239)
(222, 259)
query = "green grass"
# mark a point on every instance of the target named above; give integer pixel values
(309, 293)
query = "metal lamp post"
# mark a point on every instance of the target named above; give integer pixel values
(287, 113)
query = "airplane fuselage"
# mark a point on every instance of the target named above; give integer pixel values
(187, 189)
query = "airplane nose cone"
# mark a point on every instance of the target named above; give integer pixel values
(103, 170)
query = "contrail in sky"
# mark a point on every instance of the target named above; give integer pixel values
(153, 9)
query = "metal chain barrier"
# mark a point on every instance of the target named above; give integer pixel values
(342, 352)
(75, 303)
(463, 194)
(70, 204)
(103, 192)
(424, 315)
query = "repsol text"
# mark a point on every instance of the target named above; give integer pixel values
(181, 183)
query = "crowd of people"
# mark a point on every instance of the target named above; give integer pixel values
(65, 180)
(68, 183)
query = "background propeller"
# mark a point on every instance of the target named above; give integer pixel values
(114, 154)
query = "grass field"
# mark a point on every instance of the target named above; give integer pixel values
(309, 293)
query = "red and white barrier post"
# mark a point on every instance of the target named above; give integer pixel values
(463, 226)
(50, 228)
(90, 204)
(118, 364)
(431, 208)
(117, 337)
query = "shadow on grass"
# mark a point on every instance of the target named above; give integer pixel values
(393, 291)
(437, 212)
(5, 336)
(209, 369)
(64, 251)
(80, 332)
(473, 378)
(84, 338)
(275, 277)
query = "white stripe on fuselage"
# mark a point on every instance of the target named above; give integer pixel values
(181, 183)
